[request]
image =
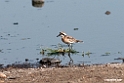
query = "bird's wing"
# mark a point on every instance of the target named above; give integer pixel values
(71, 38)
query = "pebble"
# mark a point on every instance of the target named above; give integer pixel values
(2, 75)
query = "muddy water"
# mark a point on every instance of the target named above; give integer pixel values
(24, 29)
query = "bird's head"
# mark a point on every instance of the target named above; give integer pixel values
(61, 34)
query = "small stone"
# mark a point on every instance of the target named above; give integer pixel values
(16, 23)
(2, 75)
(1, 81)
(70, 82)
(75, 28)
(107, 12)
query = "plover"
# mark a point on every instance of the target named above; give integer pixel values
(68, 39)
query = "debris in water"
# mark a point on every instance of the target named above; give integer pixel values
(38, 3)
(106, 54)
(83, 54)
(16, 23)
(75, 28)
(107, 12)
(46, 62)
(120, 59)
(25, 38)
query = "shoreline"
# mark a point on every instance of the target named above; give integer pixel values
(86, 74)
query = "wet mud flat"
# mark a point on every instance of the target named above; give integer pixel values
(105, 73)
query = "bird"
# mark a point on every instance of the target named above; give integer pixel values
(69, 40)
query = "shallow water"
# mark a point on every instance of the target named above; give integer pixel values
(24, 29)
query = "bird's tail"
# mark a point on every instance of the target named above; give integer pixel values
(79, 41)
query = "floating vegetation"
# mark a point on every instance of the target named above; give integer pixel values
(106, 54)
(119, 52)
(58, 51)
(42, 52)
(25, 38)
(88, 53)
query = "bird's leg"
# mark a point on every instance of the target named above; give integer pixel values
(71, 60)
(70, 46)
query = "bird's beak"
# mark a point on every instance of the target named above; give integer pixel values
(58, 35)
